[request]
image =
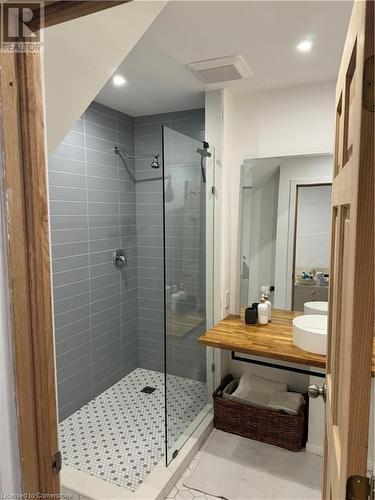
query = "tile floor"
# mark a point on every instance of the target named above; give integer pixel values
(182, 492)
(119, 435)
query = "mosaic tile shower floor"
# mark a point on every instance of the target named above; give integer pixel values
(119, 435)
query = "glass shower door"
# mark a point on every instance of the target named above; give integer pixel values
(185, 196)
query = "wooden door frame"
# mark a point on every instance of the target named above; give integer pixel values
(26, 212)
(25, 194)
(50, 13)
(351, 322)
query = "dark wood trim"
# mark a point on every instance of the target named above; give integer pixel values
(65, 10)
(26, 212)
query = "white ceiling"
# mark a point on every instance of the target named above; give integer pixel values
(265, 33)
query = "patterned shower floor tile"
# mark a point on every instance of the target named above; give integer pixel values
(120, 435)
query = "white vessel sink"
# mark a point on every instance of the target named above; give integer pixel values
(310, 333)
(316, 308)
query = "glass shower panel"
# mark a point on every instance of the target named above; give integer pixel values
(185, 207)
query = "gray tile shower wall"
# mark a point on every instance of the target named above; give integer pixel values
(184, 356)
(92, 205)
(109, 322)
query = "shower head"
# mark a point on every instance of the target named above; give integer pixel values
(155, 162)
(204, 153)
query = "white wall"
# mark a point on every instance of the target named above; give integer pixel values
(283, 122)
(81, 55)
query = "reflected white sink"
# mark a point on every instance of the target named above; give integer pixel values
(316, 308)
(310, 333)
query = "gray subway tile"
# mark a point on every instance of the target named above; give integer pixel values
(69, 249)
(69, 151)
(102, 184)
(72, 329)
(105, 292)
(102, 171)
(68, 166)
(72, 302)
(68, 235)
(97, 131)
(68, 221)
(71, 289)
(100, 119)
(103, 208)
(104, 304)
(101, 108)
(103, 158)
(73, 355)
(64, 208)
(95, 195)
(103, 220)
(107, 268)
(72, 342)
(65, 370)
(66, 277)
(100, 233)
(101, 317)
(72, 316)
(68, 409)
(67, 180)
(74, 138)
(110, 325)
(57, 193)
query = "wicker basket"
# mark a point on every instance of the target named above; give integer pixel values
(261, 424)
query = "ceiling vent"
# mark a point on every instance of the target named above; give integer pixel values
(224, 69)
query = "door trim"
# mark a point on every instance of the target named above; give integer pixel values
(26, 214)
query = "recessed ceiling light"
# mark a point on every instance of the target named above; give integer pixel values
(118, 80)
(305, 46)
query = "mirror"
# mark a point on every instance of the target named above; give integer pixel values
(285, 230)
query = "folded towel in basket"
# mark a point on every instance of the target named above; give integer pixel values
(258, 391)
(254, 390)
(253, 383)
(290, 402)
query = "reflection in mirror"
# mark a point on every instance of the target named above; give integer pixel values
(311, 245)
(285, 230)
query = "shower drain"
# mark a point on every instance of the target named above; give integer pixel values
(148, 390)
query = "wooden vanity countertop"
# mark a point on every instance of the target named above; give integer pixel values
(274, 340)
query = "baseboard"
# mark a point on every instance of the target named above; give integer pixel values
(318, 450)
(314, 449)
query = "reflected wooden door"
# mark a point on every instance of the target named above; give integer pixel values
(351, 315)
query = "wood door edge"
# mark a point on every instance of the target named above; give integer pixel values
(22, 138)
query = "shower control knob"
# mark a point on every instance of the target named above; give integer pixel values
(119, 258)
(314, 391)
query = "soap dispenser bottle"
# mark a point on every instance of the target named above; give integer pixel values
(262, 312)
(181, 300)
(269, 305)
(174, 298)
